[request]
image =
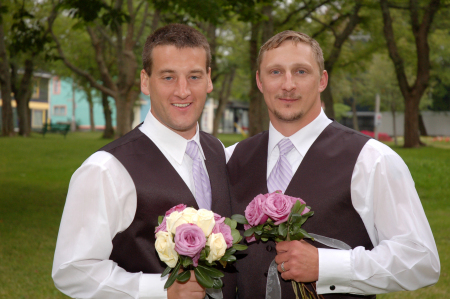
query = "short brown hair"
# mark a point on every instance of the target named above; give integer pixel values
(178, 35)
(295, 37)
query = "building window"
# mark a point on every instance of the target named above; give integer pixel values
(56, 85)
(37, 118)
(59, 110)
(35, 94)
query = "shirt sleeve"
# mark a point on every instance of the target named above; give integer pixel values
(101, 202)
(404, 256)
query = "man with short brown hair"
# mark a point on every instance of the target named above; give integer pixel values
(360, 190)
(106, 242)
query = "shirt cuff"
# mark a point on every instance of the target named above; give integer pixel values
(151, 286)
(335, 271)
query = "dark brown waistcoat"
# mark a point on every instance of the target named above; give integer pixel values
(159, 187)
(322, 180)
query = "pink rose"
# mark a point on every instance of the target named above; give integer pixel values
(226, 233)
(162, 226)
(189, 241)
(295, 199)
(254, 212)
(252, 238)
(218, 218)
(278, 207)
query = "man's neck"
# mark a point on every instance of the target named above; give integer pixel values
(289, 128)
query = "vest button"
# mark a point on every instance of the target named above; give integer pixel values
(269, 248)
(332, 287)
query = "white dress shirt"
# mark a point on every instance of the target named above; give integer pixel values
(405, 256)
(101, 202)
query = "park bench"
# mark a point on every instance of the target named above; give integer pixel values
(55, 128)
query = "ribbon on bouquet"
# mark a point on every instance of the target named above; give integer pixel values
(214, 293)
(273, 288)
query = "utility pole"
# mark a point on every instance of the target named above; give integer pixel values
(377, 120)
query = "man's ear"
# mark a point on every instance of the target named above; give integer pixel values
(323, 81)
(258, 82)
(145, 88)
(210, 84)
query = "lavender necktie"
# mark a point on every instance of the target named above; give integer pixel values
(281, 174)
(201, 180)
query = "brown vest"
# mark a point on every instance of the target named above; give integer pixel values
(159, 187)
(323, 180)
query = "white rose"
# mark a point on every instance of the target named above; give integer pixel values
(190, 215)
(205, 220)
(166, 248)
(174, 220)
(217, 246)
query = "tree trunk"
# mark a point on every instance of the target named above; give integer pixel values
(123, 116)
(412, 138)
(5, 82)
(267, 33)
(109, 130)
(422, 128)
(22, 94)
(354, 115)
(223, 99)
(254, 111)
(394, 124)
(327, 100)
(91, 111)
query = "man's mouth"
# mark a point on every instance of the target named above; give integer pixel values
(181, 105)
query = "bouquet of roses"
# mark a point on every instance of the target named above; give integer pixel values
(278, 217)
(188, 239)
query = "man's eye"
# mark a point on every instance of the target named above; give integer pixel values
(301, 72)
(276, 72)
(195, 77)
(168, 78)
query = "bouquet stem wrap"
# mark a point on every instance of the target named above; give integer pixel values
(273, 288)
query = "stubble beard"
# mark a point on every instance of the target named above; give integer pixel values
(288, 117)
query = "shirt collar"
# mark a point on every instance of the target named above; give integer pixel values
(303, 138)
(167, 140)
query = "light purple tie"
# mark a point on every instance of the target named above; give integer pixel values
(201, 180)
(281, 174)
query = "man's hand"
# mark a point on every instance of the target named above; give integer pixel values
(301, 261)
(190, 289)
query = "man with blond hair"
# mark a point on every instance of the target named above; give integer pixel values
(360, 190)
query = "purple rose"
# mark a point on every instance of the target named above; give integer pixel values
(295, 199)
(162, 226)
(252, 238)
(225, 230)
(254, 212)
(179, 208)
(189, 241)
(278, 207)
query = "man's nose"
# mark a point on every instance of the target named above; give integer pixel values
(288, 83)
(182, 89)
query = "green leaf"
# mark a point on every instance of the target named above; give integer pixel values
(239, 219)
(218, 284)
(187, 261)
(282, 229)
(228, 258)
(173, 276)
(160, 219)
(236, 235)
(249, 232)
(203, 278)
(211, 271)
(264, 239)
(305, 234)
(296, 207)
(230, 222)
(230, 251)
(295, 218)
(166, 271)
(203, 255)
(240, 247)
(185, 276)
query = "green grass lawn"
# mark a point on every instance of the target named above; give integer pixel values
(35, 174)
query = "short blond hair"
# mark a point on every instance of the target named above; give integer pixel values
(296, 37)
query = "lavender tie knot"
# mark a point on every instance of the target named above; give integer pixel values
(281, 174)
(201, 180)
